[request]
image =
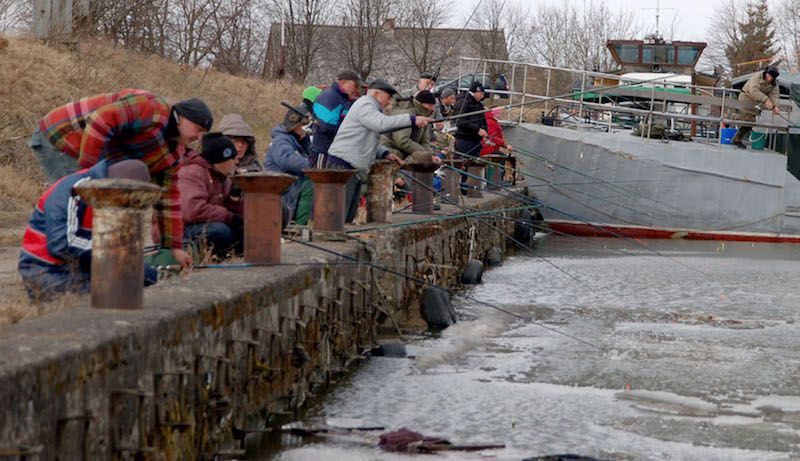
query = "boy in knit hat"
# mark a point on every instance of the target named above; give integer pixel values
(211, 216)
(131, 124)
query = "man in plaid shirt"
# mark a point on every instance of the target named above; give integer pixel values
(131, 124)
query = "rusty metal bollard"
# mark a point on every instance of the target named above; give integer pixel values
(474, 184)
(452, 178)
(118, 213)
(329, 195)
(262, 215)
(379, 191)
(422, 186)
(497, 163)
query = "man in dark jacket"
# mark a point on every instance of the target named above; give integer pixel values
(470, 130)
(288, 153)
(57, 246)
(209, 212)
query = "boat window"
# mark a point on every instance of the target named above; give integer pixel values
(627, 53)
(658, 54)
(687, 55)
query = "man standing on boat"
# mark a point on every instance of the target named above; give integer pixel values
(762, 88)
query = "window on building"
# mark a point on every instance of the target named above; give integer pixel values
(658, 54)
(687, 55)
(627, 53)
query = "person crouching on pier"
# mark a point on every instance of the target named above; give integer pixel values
(357, 143)
(211, 215)
(131, 124)
(762, 88)
(56, 252)
(289, 153)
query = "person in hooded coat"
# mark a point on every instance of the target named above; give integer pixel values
(288, 153)
(244, 138)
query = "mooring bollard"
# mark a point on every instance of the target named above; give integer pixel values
(452, 178)
(263, 215)
(474, 182)
(497, 164)
(118, 213)
(329, 195)
(422, 186)
(379, 191)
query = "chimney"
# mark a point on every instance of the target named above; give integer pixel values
(388, 24)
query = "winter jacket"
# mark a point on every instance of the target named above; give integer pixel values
(59, 231)
(412, 139)
(330, 109)
(357, 141)
(235, 125)
(288, 154)
(756, 91)
(496, 136)
(467, 127)
(131, 124)
(205, 192)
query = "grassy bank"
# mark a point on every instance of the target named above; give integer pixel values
(37, 78)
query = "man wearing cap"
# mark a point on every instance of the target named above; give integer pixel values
(288, 153)
(426, 82)
(131, 124)
(331, 106)
(761, 88)
(209, 213)
(56, 251)
(470, 130)
(414, 143)
(357, 143)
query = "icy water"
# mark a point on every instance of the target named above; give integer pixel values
(691, 355)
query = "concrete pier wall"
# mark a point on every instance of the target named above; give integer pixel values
(219, 352)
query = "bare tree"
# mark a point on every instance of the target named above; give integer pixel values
(422, 39)
(724, 31)
(365, 22)
(787, 27)
(576, 36)
(15, 16)
(303, 36)
(500, 27)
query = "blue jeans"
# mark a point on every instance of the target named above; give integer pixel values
(220, 237)
(56, 164)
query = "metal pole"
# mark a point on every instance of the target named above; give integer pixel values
(721, 115)
(511, 88)
(524, 90)
(547, 89)
(422, 187)
(379, 191)
(580, 106)
(118, 209)
(329, 198)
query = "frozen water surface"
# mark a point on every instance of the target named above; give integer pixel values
(694, 354)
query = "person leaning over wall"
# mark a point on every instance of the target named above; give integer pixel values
(131, 124)
(761, 88)
(357, 143)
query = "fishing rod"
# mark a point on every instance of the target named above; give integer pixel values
(425, 283)
(501, 231)
(525, 199)
(458, 37)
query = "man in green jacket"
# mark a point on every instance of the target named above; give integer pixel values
(414, 143)
(762, 88)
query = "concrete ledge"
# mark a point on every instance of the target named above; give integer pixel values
(221, 350)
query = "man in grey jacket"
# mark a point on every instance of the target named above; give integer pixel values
(357, 143)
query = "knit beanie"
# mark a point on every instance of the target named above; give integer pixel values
(196, 111)
(425, 97)
(476, 87)
(217, 148)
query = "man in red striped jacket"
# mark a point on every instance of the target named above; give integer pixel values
(57, 247)
(131, 124)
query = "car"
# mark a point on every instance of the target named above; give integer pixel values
(500, 86)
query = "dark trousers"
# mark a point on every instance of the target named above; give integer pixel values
(470, 148)
(218, 236)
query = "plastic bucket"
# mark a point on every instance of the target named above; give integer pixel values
(758, 140)
(726, 135)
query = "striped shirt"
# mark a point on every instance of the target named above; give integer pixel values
(131, 124)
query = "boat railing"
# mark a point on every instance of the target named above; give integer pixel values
(700, 110)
